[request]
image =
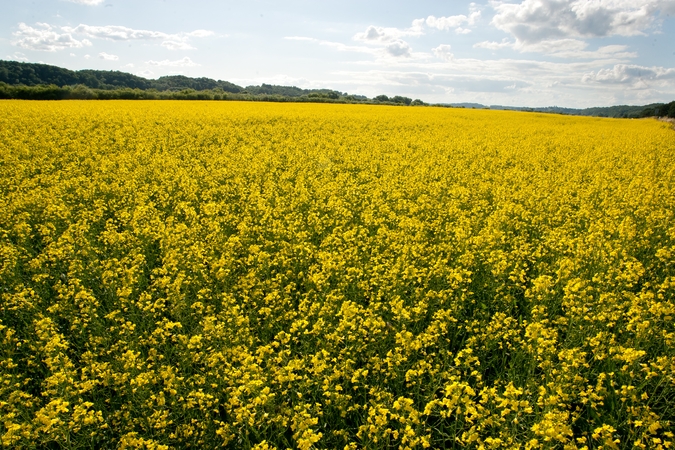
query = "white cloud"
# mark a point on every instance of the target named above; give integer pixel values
(398, 48)
(445, 23)
(87, 2)
(177, 41)
(17, 56)
(637, 76)
(457, 22)
(539, 20)
(108, 57)
(491, 45)
(562, 48)
(87, 56)
(392, 44)
(45, 38)
(185, 62)
(48, 38)
(559, 28)
(115, 33)
(443, 52)
(388, 39)
(573, 48)
(375, 34)
(391, 52)
(517, 82)
(576, 71)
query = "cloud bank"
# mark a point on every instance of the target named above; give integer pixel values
(45, 37)
(559, 27)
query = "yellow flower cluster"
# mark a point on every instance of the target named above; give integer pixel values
(250, 275)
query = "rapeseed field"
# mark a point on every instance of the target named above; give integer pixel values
(249, 275)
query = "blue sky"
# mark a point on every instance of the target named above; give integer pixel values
(573, 53)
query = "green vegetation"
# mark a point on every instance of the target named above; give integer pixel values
(44, 82)
(30, 81)
(202, 275)
(625, 111)
(619, 111)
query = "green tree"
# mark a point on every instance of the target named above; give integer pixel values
(671, 110)
(400, 99)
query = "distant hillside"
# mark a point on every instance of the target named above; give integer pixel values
(46, 82)
(620, 111)
(28, 74)
(16, 73)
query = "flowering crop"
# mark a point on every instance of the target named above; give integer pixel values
(248, 275)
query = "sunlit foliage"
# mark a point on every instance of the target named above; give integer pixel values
(198, 275)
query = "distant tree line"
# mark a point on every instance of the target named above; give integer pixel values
(632, 112)
(82, 92)
(397, 99)
(619, 111)
(45, 82)
(659, 110)
(16, 73)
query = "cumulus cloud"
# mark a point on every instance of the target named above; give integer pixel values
(398, 48)
(185, 62)
(45, 38)
(48, 38)
(562, 48)
(121, 33)
(455, 22)
(115, 33)
(559, 28)
(108, 57)
(539, 20)
(391, 39)
(375, 34)
(443, 52)
(638, 76)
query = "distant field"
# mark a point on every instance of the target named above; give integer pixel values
(252, 275)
